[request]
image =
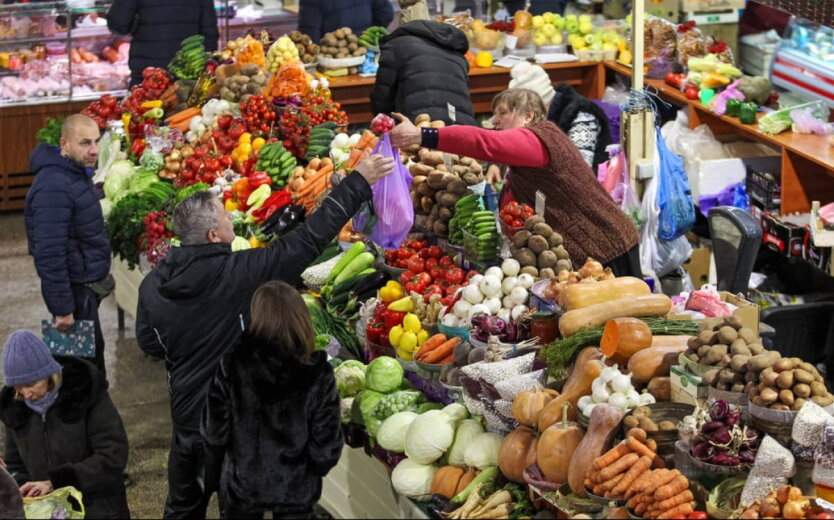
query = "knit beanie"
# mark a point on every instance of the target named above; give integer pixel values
(532, 77)
(26, 359)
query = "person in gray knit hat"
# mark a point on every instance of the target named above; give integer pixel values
(62, 429)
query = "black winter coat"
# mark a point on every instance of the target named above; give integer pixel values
(422, 69)
(158, 26)
(567, 104)
(194, 306)
(279, 422)
(317, 17)
(64, 228)
(81, 442)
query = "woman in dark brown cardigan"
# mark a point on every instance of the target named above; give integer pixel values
(541, 158)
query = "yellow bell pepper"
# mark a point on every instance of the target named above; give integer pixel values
(254, 242)
(156, 103)
(404, 304)
(391, 292)
(231, 205)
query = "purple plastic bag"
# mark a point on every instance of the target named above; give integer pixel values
(393, 211)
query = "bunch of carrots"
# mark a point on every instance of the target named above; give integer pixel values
(437, 350)
(363, 147)
(181, 119)
(307, 184)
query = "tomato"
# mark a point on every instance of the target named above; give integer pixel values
(415, 245)
(698, 515)
(452, 288)
(406, 277)
(423, 253)
(430, 262)
(821, 516)
(508, 219)
(405, 254)
(416, 264)
(435, 271)
(435, 252)
(470, 274)
(430, 290)
(517, 223)
(445, 261)
(455, 275)
(390, 256)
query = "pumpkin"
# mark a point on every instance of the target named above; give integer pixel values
(602, 428)
(598, 314)
(586, 368)
(556, 447)
(446, 480)
(624, 337)
(464, 481)
(528, 405)
(518, 450)
(579, 295)
(653, 362)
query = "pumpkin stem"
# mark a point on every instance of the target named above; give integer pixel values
(565, 407)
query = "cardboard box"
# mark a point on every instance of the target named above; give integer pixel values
(747, 312)
(782, 236)
(686, 388)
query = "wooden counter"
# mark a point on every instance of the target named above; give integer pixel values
(588, 78)
(807, 160)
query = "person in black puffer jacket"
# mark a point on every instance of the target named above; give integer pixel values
(584, 122)
(62, 429)
(158, 26)
(317, 17)
(194, 306)
(273, 412)
(65, 227)
(422, 69)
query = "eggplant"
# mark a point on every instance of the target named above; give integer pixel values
(283, 220)
(370, 282)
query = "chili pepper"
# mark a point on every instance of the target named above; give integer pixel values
(277, 200)
(747, 113)
(734, 107)
(259, 179)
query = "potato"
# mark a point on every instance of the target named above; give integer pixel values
(542, 229)
(739, 363)
(532, 221)
(457, 187)
(563, 264)
(739, 346)
(759, 362)
(521, 237)
(437, 124)
(537, 244)
(824, 400)
(642, 411)
(547, 273)
(705, 337)
(727, 375)
(756, 348)
(785, 379)
(780, 407)
(667, 426)
(768, 395)
(647, 424)
(786, 397)
(803, 390)
(422, 118)
(426, 203)
(525, 257)
(817, 388)
(747, 335)
(555, 240)
(727, 334)
(470, 179)
(693, 357)
(710, 376)
(704, 351)
(725, 361)
(445, 213)
(751, 377)
(783, 364)
(449, 199)
(715, 355)
(803, 376)
(660, 388)
(734, 322)
(758, 401)
(532, 271)
(694, 343)
(561, 253)
(547, 259)
(440, 227)
(723, 386)
(737, 388)
(631, 421)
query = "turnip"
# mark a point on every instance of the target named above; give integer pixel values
(525, 280)
(510, 267)
(472, 294)
(509, 284)
(490, 285)
(496, 272)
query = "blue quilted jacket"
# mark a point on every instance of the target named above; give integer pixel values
(64, 227)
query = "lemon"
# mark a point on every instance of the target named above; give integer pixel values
(408, 341)
(411, 323)
(422, 336)
(405, 355)
(395, 335)
(483, 59)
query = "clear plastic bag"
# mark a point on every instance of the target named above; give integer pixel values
(393, 212)
(674, 197)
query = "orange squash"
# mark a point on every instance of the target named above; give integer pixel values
(602, 428)
(464, 481)
(556, 447)
(624, 337)
(586, 368)
(446, 480)
(518, 450)
(528, 405)
(653, 362)
(579, 295)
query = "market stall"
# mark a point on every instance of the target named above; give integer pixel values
(484, 372)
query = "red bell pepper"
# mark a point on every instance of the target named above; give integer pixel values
(273, 203)
(374, 332)
(393, 318)
(380, 311)
(259, 179)
(137, 147)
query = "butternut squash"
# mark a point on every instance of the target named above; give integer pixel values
(579, 295)
(467, 477)
(518, 450)
(445, 481)
(603, 426)
(556, 448)
(624, 337)
(586, 368)
(598, 314)
(653, 362)
(670, 341)
(528, 405)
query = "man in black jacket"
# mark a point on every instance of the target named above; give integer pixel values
(317, 17)
(158, 26)
(195, 305)
(422, 69)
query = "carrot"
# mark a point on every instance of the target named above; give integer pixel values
(353, 158)
(642, 465)
(638, 433)
(598, 490)
(187, 113)
(646, 478)
(430, 344)
(366, 139)
(312, 187)
(621, 466)
(442, 351)
(641, 508)
(641, 449)
(651, 444)
(675, 501)
(679, 511)
(678, 485)
(448, 359)
(611, 456)
(319, 176)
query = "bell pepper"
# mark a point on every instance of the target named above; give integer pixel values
(374, 331)
(714, 80)
(231, 205)
(747, 113)
(273, 203)
(380, 311)
(154, 113)
(137, 147)
(734, 107)
(258, 179)
(394, 318)
(241, 189)
(156, 103)
(391, 292)
(258, 196)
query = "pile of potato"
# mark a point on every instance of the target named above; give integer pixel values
(538, 248)
(435, 190)
(341, 43)
(412, 152)
(641, 417)
(247, 81)
(787, 384)
(307, 50)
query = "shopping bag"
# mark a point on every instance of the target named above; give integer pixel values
(674, 197)
(56, 504)
(79, 341)
(390, 219)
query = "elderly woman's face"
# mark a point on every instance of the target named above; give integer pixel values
(33, 391)
(505, 119)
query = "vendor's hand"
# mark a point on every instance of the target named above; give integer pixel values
(375, 167)
(405, 133)
(64, 323)
(493, 174)
(36, 489)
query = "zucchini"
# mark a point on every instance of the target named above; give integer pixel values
(358, 264)
(346, 286)
(355, 250)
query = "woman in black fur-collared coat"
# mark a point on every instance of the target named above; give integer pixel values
(274, 411)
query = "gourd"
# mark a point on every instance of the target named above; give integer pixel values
(579, 295)
(598, 314)
(518, 450)
(670, 341)
(586, 368)
(528, 405)
(653, 362)
(624, 337)
(556, 447)
(602, 428)
(465, 480)
(446, 480)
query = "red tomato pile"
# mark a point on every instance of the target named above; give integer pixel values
(514, 214)
(104, 109)
(428, 270)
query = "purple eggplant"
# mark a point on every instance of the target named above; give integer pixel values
(719, 410)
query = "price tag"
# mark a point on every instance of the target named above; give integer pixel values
(451, 109)
(541, 199)
(510, 41)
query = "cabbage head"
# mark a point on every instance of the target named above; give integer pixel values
(384, 374)
(413, 479)
(350, 378)
(141, 180)
(429, 436)
(363, 405)
(391, 435)
(117, 180)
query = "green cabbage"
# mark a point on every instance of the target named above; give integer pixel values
(384, 374)
(141, 180)
(350, 378)
(117, 180)
(364, 403)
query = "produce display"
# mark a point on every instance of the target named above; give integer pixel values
(721, 440)
(785, 502)
(538, 247)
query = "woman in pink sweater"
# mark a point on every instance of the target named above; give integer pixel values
(541, 158)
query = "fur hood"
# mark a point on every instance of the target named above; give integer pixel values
(81, 387)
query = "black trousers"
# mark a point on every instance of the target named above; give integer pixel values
(233, 513)
(189, 489)
(86, 308)
(627, 264)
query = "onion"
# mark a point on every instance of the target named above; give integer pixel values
(504, 314)
(494, 304)
(475, 280)
(472, 294)
(525, 280)
(618, 400)
(479, 308)
(461, 308)
(608, 373)
(621, 383)
(509, 284)
(600, 395)
(496, 272)
(508, 302)
(553, 290)
(450, 320)
(518, 310)
(490, 285)
(510, 267)
(519, 295)
(583, 402)
(563, 276)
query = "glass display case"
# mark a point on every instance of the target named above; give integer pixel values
(804, 60)
(59, 51)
